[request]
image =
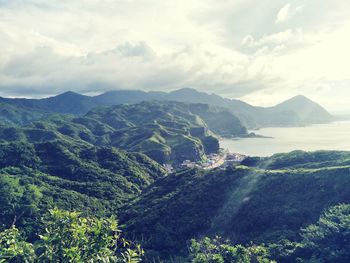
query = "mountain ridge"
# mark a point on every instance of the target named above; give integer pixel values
(296, 111)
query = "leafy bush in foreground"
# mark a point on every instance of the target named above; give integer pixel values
(69, 237)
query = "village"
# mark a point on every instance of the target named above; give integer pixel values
(222, 159)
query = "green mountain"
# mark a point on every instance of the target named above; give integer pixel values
(67, 173)
(68, 102)
(12, 115)
(165, 131)
(264, 203)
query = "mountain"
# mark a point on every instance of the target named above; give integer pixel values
(267, 203)
(44, 169)
(305, 109)
(165, 131)
(297, 111)
(68, 102)
(13, 115)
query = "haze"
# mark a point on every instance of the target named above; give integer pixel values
(260, 51)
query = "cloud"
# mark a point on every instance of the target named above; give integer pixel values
(287, 38)
(235, 48)
(287, 12)
(134, 66)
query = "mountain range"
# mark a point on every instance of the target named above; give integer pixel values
(297, 111)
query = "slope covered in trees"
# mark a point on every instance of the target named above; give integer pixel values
(44, 172)
(166, 132)
(244, 204)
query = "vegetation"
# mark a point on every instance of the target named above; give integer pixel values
(12, 115)
(243, 204)
(166, 132)
(300, 159)
(69, 237)
(328, 239)
(70, 175)
(218, 251)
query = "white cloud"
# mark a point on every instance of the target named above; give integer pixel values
(287, 12)
(89, 46)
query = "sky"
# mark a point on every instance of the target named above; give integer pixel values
(260, 51)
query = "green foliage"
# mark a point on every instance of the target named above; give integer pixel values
(328, 240)
(69, 237)
(12, 114)
(301, 159)
(217, 250)
(13, 248)
(17, 201)
(69, 174)
(18, 154)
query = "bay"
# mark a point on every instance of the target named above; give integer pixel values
(331, 136)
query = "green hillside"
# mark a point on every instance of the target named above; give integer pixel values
(166, 132)
(44, 172)
(11, 115)
(243, 204)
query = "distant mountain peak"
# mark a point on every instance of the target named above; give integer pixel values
(69, 94)
(185, 90)
(299, 98)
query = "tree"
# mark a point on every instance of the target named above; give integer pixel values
(69, 237)
(217, 250)
(328, 240)
(13, 248)
(16, 200)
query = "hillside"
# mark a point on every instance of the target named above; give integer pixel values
(166, 132)
(12, 115)
(67, 173)
(244, 203)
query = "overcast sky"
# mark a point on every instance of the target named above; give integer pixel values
(262, 51)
